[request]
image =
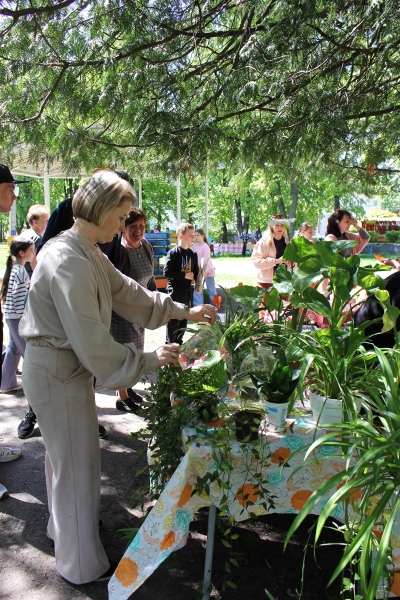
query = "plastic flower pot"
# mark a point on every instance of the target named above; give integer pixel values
(325, 410)
(276, 412)
(247, 424)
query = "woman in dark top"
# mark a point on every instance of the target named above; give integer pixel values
(140, 268)
(268, 252)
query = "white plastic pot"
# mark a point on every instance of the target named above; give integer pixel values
(325, 410)
(276, 413)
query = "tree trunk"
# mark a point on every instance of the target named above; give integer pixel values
(224, 233)
(238, 210)
(337, 202)
(294, 195)
(278, 193)
(69, 188)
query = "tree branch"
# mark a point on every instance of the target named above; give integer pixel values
(16, 14)
(47, 98)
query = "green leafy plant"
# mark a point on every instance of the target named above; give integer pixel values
(368, 486)
(279, 385)
(333, 360)
(392, 236)
(208, 374)
(241, 327)
(163, 428)
(373, 236)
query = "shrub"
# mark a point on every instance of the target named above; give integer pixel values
(373, 236)
(393, 236)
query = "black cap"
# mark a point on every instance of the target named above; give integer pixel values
(7, 177)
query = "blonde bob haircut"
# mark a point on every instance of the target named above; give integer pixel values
(99, 195)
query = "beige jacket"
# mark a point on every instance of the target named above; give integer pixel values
(73, 289)
(264, 259)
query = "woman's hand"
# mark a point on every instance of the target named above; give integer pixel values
(168, 354)
(355, 224)
(204, 313)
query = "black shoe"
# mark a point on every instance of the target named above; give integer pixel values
(102, 432)
(134, 396)
(27, 425)
(127, 406)
(109, 573)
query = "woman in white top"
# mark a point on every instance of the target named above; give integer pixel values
(13, 294)
(66, 324)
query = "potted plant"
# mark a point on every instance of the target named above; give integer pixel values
(207, 405)
(368, 488)
(206, 374)
(276, 388)
(334, 364)
(247, 424)
(241, 328)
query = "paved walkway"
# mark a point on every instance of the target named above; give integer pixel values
(27, 566)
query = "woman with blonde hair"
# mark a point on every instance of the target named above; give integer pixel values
(66, 325)
(267, 253)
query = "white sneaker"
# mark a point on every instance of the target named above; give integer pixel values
(3, 491)
(8, 453)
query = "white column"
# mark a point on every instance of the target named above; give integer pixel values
(178, 199)
(206, 198)
(140, 193)
(46, 183)
(13, 218)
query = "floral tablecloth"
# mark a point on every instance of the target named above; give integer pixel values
(167, 525)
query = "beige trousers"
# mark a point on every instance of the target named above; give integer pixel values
(60, 391)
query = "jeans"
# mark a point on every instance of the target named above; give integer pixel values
(14, 351)
(198, 298)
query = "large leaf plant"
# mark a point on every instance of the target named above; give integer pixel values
(333, 360)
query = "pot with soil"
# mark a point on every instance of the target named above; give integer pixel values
(207, 406)
(247, 424)
(208, 411)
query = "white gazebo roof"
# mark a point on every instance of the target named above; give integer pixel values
(23, 165)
